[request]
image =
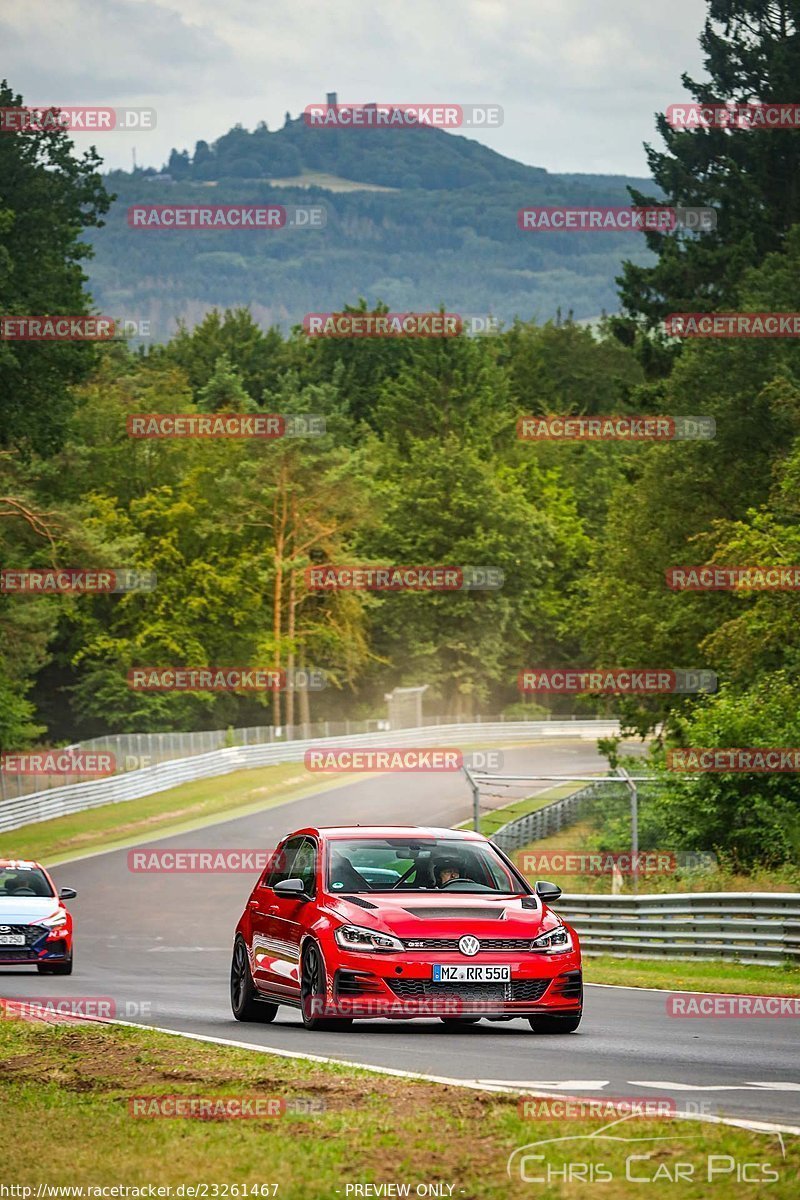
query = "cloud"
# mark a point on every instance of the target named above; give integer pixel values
(579, 82)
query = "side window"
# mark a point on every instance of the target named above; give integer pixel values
(281, 867)
(305, 866)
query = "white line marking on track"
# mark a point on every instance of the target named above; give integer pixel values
(559, 1085)
(716, 1087)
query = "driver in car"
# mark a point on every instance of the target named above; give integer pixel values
(445, 871)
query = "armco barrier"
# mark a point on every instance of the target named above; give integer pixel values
(547, 820)
(745, 927)
(59, 802)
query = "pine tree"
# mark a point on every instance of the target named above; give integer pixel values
(751, 177)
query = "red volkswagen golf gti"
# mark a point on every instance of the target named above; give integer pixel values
(359, 921)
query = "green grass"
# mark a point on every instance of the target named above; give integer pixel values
(65, 1120)
(693, 976)
(189, 806)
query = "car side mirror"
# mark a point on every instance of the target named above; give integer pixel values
(547, 892)
(290, 887)
(67, 893)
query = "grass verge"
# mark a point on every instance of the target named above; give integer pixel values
(679, 976)
(65, 1095)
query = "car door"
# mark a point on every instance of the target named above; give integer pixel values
(269, 964)
(289, 916)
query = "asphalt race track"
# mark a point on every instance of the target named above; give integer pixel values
(160, 946)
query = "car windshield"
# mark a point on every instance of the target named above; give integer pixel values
(23, 881)
(418, 865)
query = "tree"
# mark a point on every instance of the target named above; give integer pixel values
(751, 178)
(47, 198)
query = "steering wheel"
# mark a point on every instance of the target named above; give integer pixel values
(460, 879)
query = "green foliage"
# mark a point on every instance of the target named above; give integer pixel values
(47, 199)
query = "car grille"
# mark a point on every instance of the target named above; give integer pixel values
(518, 989)
(451, 943)
(26, 953)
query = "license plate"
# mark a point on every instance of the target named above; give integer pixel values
(12, 939)
(463, 974)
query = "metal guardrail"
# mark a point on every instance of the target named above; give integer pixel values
(59, 802)
(745, 927)
(132, 751)
(547, 820)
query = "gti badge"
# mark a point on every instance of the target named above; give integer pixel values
(469, 945)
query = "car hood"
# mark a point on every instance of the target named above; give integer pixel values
(27, 910)
(435, 915)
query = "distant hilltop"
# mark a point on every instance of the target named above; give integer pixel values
(417, 155)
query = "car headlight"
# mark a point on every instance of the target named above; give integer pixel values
(557, 941)
(57, 921)
(356, 937)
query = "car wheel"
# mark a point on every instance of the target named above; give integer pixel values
(555, 1024)
(245, 1003)
(459, 1020)
(312, 988)
(64, 968)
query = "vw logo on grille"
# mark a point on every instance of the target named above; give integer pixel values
(469, 945)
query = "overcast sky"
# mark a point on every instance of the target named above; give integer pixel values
(579, 80)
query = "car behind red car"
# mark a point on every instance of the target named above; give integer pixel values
(355, 922)
(35, 925)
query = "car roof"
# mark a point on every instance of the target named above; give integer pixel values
(19, 864)
(329, 832)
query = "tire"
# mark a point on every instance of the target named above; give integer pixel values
(64, 968)
(245, 1004)
(459, 1020)
(555, 1024)
(312, 983)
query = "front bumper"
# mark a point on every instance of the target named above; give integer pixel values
(372, 985)
(42, 945)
